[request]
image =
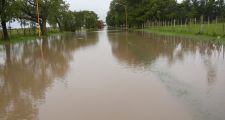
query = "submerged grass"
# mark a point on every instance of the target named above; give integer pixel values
(21, 38)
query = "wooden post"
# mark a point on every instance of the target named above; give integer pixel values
(195, 22)
(126, 17)
(174, 22)
(201, 26)
(216, 24)
(208, 21)
(185, 22)
(223, 29)
(1, 33)
(38, 19)
(190, 22)
(181, 23)
(190, 25)
(216, 20)
(208, 25)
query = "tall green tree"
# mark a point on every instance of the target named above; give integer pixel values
(57, 12)
(73, 21)
(8, 11)
(47, 10)
(140, 11)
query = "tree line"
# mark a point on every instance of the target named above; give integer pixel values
(140, 11)
(52, 12)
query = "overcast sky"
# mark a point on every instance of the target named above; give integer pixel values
(100, 7)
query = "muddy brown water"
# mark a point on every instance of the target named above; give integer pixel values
(112, 75)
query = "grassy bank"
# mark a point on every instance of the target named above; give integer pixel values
(20, 35)
(213, 32)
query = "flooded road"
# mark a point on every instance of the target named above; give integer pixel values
(112, 76)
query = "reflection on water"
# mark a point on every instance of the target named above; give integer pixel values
(112, 76)
(191, 70)
(28, 69)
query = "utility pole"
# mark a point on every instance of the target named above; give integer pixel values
(126, 17)
(38, 19)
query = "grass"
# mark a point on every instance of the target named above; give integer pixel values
(213, 32)
(17, 35)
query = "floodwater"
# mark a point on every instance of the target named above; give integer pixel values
(112, 75)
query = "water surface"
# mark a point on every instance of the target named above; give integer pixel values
(112, 75)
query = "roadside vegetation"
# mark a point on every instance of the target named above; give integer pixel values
(19, 34)
(212, 30)
(195, 17)
(54, 16)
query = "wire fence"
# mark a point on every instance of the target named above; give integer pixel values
(215, 27)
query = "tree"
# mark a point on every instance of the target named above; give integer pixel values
(48, 9)
(23, 24)
(140, 11)
(90, 19)
(57, 12)
(73, 21)
(8, 10)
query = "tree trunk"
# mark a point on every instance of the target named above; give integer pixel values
(43, 27)
(59, 24)
(3, 21)
(5, 32)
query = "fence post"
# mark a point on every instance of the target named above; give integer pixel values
(216, 20)
(185, 22)
(201, 26)
(1, 33)
(174, 22)
(223, 29)
(17, 32)
(216, 25)
(181, 23)
(208, 21)
(190, 22)
(195, 22)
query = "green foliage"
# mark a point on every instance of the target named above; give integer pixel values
(49, 11)
(73, 21)
(54, 12)
(140, 11)
(8, 11)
